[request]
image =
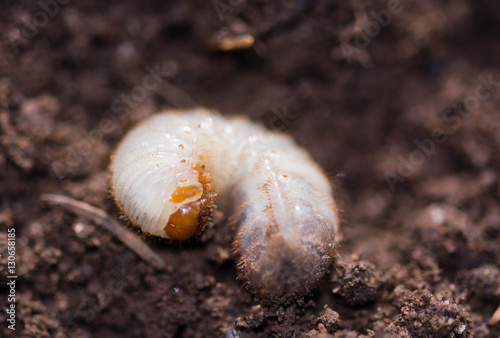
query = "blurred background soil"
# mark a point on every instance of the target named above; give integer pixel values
(420, 251)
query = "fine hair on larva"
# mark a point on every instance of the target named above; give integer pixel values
(171, 170)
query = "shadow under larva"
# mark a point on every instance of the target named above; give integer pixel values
(171, 169)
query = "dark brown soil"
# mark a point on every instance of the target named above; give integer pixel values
(404, 125)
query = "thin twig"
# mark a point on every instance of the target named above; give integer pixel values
(114, 227)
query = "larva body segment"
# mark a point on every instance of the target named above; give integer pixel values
(279, 199)
(155, 171)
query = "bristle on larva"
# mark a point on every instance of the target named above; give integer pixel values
(168, 172)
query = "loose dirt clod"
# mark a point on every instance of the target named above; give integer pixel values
(359, 283)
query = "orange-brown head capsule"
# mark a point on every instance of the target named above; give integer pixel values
(188, 221)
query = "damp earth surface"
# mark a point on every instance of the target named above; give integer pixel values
(397, 100)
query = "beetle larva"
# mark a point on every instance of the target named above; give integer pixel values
(169, 170)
